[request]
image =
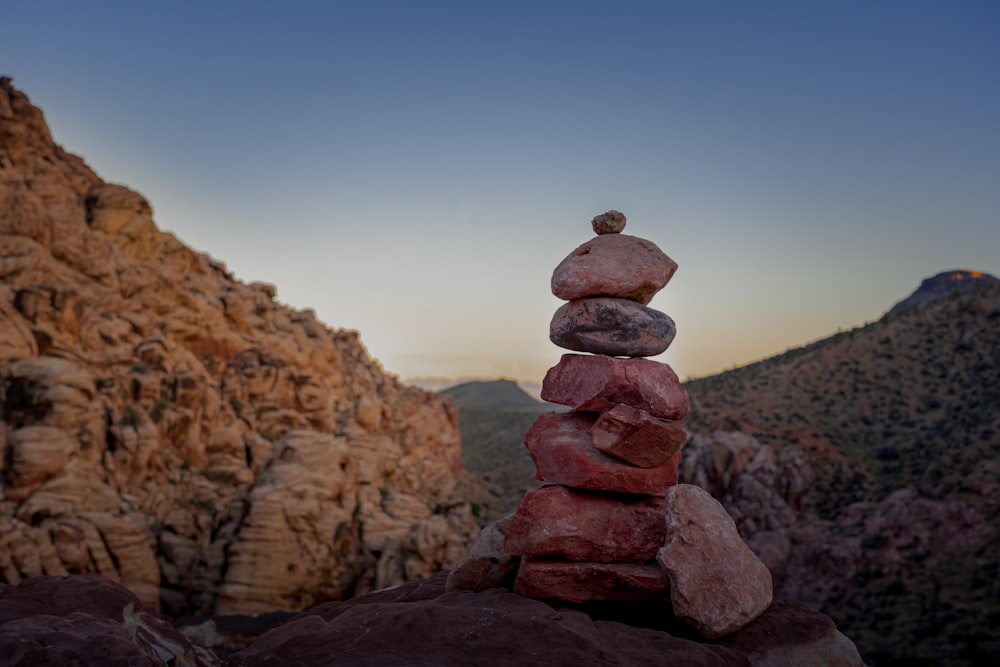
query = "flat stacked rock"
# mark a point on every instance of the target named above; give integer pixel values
(611, 522)
(594, 530)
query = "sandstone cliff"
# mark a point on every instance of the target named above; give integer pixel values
(175, 429)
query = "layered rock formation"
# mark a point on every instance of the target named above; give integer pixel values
(175, 429)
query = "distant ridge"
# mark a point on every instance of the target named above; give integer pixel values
(944, 284)
(492, 395)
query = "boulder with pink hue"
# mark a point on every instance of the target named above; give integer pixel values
(595, 383)
(556, 521)
(637, 437)
(613, 265)
(612, 222)
(613, 326)
(717, 585)
(560, 446)
(578, 582)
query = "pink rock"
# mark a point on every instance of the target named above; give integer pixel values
(613, 265)
(597, 383)
(557, 521)
(608, 325)
(637, 437)
(717, 585)
(581, 582)
(560, 446)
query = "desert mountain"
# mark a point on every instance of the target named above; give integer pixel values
(945, 284)
(184, 433)
(498, 395)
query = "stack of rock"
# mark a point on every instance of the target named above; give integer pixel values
(594, 530)
(611, 522)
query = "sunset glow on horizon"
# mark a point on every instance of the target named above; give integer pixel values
(416, 171)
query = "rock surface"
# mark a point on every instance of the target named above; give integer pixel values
(175, 429)
(637, 437)
(615, 265)
(559, 522)
(717, 584)
(54, 620)
(87, 620)
(597, 383)
(616, 327)
(561, 448)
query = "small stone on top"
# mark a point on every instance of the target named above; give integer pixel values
(612, 222)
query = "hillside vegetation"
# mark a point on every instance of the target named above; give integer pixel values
(901, 422)
(493, 418)
(910, 401)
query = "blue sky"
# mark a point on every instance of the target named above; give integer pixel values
(415, 170)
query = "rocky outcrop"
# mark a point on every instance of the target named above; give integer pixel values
(88, 619)
(945, 284)
(420, 624)
(184, 433)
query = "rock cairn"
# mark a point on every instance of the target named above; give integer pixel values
(594, 530)
(611, 522)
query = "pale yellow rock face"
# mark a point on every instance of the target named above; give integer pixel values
(173, 428)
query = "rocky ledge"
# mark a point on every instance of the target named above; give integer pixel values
(89, 619)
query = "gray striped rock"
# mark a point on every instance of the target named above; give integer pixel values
(612, 326)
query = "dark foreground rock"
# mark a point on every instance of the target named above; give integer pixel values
(420, 624)
(86, 619)
(90, 620)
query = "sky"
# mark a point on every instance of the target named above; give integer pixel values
(416, 170)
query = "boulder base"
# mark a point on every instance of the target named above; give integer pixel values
(419, 625)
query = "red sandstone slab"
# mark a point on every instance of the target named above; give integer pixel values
(637, 437)
(613, 265)
(597, 383)
(571, 581)
(557, 521)
(560, 446)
